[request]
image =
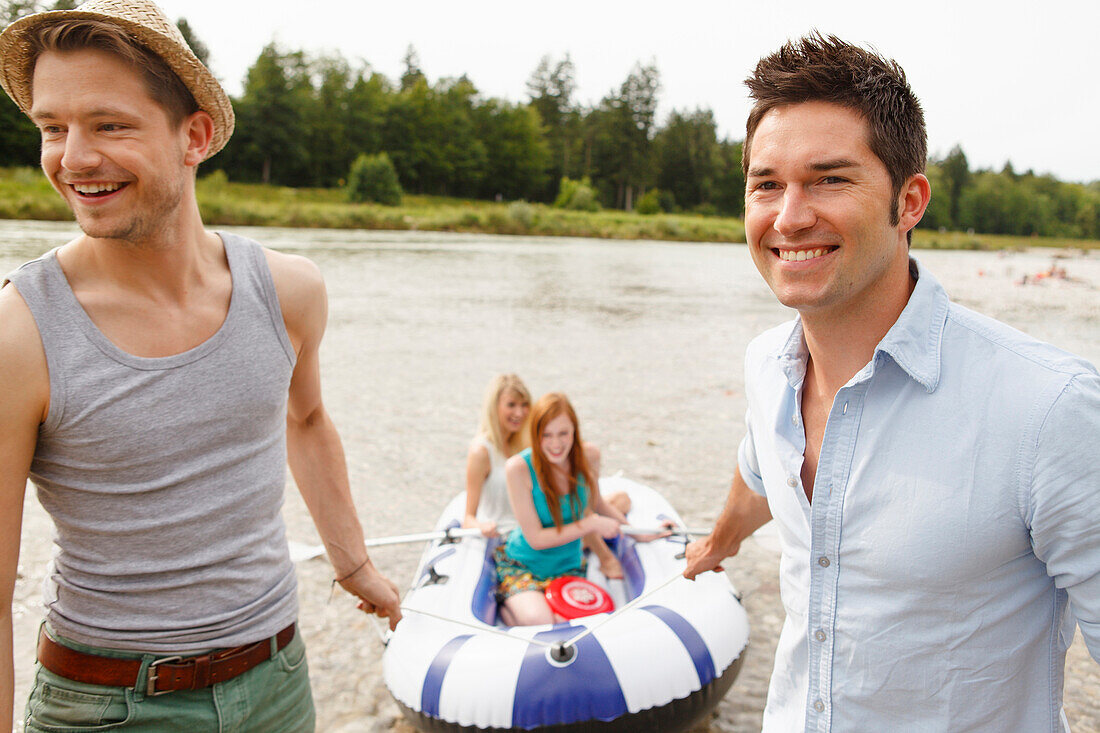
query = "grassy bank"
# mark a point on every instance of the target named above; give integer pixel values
(25, 194)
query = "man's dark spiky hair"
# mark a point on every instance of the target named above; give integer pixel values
(818, 68)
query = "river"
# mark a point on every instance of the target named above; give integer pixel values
(647, 338)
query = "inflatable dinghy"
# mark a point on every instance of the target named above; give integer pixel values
(658, 664)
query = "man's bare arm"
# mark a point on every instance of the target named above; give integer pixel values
(24, 398)
(744, 513)
(314, 450)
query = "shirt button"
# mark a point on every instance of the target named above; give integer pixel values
(845, 410)
(819, 706)
(792, 481)
(823, 561)
(819, 635)
(794, 419)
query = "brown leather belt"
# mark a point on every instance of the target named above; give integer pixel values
(166, 674)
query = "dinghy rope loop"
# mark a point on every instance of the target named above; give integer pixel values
(618, 611)
(561, 651)
(479, 627)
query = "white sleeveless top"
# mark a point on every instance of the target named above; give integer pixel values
(494, 492)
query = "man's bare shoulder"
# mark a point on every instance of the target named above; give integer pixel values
(301, 291)
(23, 369)
(294, 275)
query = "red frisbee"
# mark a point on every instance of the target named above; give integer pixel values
(573, 597)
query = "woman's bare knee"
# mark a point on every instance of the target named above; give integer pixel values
(528, 609)
(620, 501)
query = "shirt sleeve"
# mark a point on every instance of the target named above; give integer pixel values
(747, 463)
(1064, 500)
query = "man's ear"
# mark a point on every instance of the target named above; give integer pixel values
(913, 200)
(199, 127)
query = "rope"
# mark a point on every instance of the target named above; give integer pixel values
(618, 611)
(479, 627)
(380, 628)
(555, 645)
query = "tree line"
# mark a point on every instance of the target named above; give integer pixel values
(303, 120)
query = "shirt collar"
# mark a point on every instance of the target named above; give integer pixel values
(913, 342)
(915, 339)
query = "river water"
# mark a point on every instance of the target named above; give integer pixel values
(647, 338)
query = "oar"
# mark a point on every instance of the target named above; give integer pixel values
(632, 530)
(299, 551)
(459, 532)
(443, 534)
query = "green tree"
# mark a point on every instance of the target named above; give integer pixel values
(649, 203)
(620, 137)
(551, 88)
(19, 137)
(576, 195)
(729, 179)
(516, 151)
(269, 144)
(202, 53)
(325, 120)
(956, 177)
(368, 98)
(687, 157)
(412, 75)
(938, 214)
(1002, 203)
(372, 178)
(429, 133)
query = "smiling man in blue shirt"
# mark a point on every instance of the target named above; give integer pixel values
(933, 473)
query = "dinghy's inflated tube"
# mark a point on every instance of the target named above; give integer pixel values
(660, 666)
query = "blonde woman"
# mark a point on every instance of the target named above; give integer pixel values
(501, 434)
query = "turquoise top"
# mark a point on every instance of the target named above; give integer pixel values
(553, 561)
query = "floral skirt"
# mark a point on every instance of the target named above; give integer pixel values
(514, 577)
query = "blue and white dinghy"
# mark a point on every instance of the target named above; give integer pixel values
(661, 662)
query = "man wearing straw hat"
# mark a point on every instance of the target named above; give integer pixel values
(932, 473)
(156, 379)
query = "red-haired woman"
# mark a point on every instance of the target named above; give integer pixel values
(553, 487)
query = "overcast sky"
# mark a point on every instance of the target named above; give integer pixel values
(1007, 80)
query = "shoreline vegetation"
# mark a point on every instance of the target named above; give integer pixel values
(26, 194)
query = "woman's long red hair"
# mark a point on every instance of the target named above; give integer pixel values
(546, 409)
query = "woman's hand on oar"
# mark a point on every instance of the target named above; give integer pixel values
(487, 527)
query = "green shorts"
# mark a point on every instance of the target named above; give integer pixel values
(272, 697)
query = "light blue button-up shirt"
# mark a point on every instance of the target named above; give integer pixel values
(954, 535)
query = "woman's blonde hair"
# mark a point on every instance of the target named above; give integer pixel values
(489, 427)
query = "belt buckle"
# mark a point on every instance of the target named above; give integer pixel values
(151, 676)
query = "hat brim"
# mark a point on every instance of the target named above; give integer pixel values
(15, 69)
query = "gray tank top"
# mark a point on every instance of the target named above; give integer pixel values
(165, 476)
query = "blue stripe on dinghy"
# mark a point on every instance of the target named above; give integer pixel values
(433, 680)
(483, 604)
(587, 689)
(633, 572)
(690, 638)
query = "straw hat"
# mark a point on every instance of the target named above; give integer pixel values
(148, 25)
